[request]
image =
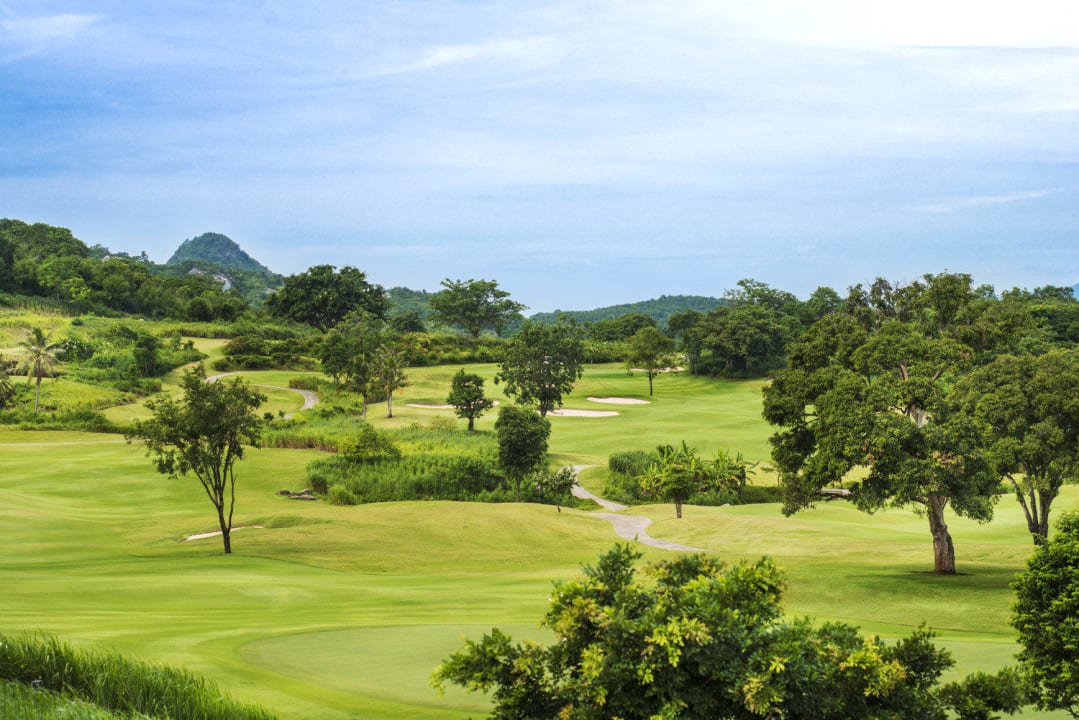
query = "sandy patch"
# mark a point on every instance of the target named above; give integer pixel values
(430, 406)
(200, 536)
(619, 401)
(663, 370)
(583, 413)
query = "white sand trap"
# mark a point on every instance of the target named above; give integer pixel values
(662, 370)
(429, 406)
(201, 536)
(582, 413)
(619, 401)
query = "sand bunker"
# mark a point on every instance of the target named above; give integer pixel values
(618, 401)
(565, 412)
(432, 406)
(201, 536)
(662, 370)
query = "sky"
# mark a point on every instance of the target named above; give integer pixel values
(580, 153)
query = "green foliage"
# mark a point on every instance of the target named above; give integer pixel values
(475, 305)
(868, 389)
(659, 309)
(699, 640)
(621, 328)
(368, 445)
(541, 365)
(216, 249)
(204, 434)
(321, 297)
(555, 486)
(522, 442)
(466, 396)
(1027, 409)
(115, 683)
(1045, 612)
(651, 351)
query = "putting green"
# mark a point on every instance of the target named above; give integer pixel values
(387, 664)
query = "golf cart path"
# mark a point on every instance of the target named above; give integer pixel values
(310, 399)
(628, 527)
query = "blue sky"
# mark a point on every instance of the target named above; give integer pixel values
(580, 153)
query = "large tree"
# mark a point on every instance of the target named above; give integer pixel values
(1045, 612)
(466, 396)
(39, 360)
(522, 442)
(865, 400)
(650, 350)
(322, 297)
(699, 640)
(475, 305)
(541, 365)
(1029, 408)
(204, 433)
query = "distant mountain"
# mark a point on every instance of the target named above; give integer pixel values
(659, 309)
(216, 249)
(219, 256)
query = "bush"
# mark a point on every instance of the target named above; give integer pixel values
(341, 496)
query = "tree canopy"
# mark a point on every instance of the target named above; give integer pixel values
(651, 351)
(522, 442)
(541, 365)
(868, 388)
(322, 297)
(466, 396)
(1045, 612)
(475, 305)
(698, 639)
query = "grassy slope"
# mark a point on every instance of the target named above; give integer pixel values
(343, 612)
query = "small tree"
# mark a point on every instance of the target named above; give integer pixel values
(204, 434)
(522, 442)
(678, 474)
(555, 486)
(541, 365)
(7, 388)
(1045, 612)
(466, 396)
(389, 373)
(40, 360)
(651, 351)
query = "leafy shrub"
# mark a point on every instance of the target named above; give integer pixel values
(368, 445)
(339, 495)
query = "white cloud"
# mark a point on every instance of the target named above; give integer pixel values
(532, 52)
(30, 33)
(956, 204)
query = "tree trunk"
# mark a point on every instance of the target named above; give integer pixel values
(37, 395)
(650, 376)
(389, 404)
(226, 531)
(943, 549)
(678, 508)
(471, 423)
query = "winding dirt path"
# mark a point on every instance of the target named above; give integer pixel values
(628, 527)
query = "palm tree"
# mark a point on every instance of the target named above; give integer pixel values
(40, 359)
(6, 388)
(390, 373)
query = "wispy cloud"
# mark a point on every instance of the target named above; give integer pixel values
(531, 52)
(35, 32)
(951, 205)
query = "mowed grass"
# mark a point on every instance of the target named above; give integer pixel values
(343, 612)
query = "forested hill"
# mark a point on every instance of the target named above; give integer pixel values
(216, 249)
(659, 309)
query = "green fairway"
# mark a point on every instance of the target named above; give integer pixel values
(343, 612)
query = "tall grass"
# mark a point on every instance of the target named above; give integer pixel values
(117, 684)
(21, 702)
